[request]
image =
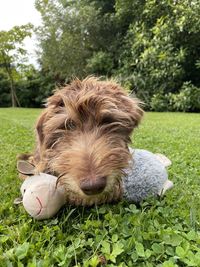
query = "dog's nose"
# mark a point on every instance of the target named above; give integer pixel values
(93, 187)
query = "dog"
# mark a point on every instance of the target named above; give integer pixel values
(82, 137)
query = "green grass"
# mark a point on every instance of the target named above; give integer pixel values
(161, 232)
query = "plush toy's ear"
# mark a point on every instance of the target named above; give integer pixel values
(25, 167)
(167, 185)
(163, 159)
(18, 200)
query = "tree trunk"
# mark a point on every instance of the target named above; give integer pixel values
(14, 98)
(12, 91)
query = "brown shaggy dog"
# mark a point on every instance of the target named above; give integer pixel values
(83, 136)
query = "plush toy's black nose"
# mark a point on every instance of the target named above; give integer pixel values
(93, 186)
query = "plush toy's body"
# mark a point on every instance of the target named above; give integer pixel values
(147, 176)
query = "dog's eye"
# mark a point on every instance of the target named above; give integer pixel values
(107, 120)
(70, 125)
(61, 103)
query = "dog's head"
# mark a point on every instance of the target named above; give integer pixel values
(83, 137)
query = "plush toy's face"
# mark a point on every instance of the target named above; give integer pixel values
(41, 198)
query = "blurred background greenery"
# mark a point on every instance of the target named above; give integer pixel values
(151, 47)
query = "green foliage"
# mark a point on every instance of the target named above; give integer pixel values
(12, 55)
(12, 41)
(5, 98)
(188, 99)
(65, 36)
(101, 63)
(151, 47)
(159, 102)
(34, 90)
(161, 49)
(163, 233)
(79, 37)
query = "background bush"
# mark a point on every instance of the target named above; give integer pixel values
(188, 99)
(159, 102)
(5, 98)
(151, 47)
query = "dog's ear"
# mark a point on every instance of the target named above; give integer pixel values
(39, 127)
(128, 108)
(132, 108)
(136, 112)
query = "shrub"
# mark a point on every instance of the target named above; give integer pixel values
(188, 99)
(5, 96)
(159, 102)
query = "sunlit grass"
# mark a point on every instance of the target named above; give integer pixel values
(159, 233)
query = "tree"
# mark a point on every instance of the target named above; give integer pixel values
(78, 37)
(12, 54)
(161, 47)
(63, 37)
(152, 47)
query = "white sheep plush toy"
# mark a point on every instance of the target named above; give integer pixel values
(147, 176)
(42, 198)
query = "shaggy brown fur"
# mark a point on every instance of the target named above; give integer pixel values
(83, 136)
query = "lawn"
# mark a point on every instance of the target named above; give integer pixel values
(163, 232)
